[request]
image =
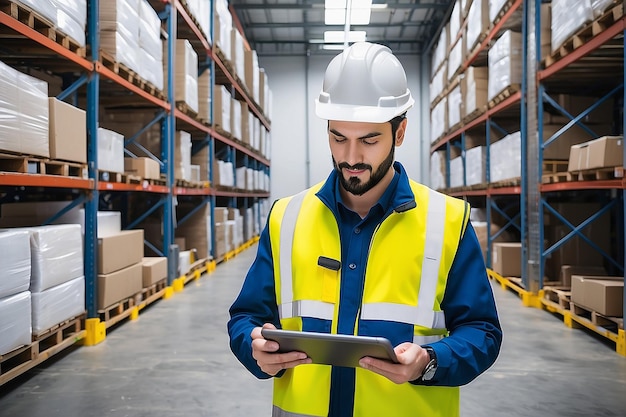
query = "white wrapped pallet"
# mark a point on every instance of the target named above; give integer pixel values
(439, 120)
(600, 6)
(15, 322)
(437, 170)
(72, 18)
(14, 262)
(567, 17)
(45, 8)
(479, 16)
(505, 63)
(455, 101)
(56, 255)
(110, 151)
(456, 172)
(474, 87)
(182, 146)
(475, 165)
(505, 161)
(119, 31)
(57, 304)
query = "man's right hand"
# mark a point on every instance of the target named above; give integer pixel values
(270, 362)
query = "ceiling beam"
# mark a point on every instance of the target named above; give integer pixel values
(242, 5)
(309, 25)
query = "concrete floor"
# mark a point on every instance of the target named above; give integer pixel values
(174, 361)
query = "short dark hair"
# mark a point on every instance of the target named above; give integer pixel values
(395, 123)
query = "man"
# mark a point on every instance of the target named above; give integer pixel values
(400, 261)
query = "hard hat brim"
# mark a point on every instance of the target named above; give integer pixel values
(352, 113)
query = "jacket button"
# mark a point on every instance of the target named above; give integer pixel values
(352, 266)
(357, 230)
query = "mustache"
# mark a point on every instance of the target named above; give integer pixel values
(357, 167)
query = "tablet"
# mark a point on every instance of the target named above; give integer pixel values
(332, 349)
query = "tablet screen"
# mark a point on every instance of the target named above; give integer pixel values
(332, 349)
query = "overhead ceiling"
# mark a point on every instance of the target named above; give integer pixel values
(296, 27)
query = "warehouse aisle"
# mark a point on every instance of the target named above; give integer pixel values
(174, 361)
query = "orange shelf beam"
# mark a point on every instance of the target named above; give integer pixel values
(30, 33)
(38, 180)
(104, 71)
(584, 185)
(592, 44)
(116, 186)
(191, 191)
(223, 193)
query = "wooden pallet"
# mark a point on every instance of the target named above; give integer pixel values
(554, 171)
(153, 293)
(43, 346)
(117, 312)
(28, 164)
(41, 24)
(192, 184)
(185, 109)
(505, 8)
(123, 71)
(585, 34)
(612, 324)
(598, 174)
(558, 295)
(504, 94)
(474, 115)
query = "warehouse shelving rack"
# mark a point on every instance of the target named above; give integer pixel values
(93, 82)
(496, 197)
(607, 43)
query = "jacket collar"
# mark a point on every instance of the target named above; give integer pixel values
(402, 198)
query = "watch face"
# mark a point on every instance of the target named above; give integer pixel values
(429, 371)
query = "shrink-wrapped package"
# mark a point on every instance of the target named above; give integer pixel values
(15, 322)
(439, 120)
(567, 17)
(110, 151)
(475, 160)
(14, 262)
(505, 63)
(56, 255)
(57, 304)
(119, 30)
(72, 18)
(456, 172)
(505, 160)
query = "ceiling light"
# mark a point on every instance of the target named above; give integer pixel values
(338, 36)
(335, 16)
(360, 16)
(333, 47)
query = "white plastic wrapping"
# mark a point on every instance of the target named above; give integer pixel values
(23, 113)
(455, 100)
(505, 161)
(495, 6)
(151, 68)
(475, 164)
(600, 6)
(183, 155)
(15, 322)
(439, 120)
(224, 20)
(57, 304)
(437, 83)
(72, 18)
(14, 262)
(437, 170)
(456, 172)
(9, 111)
(45, 8)
(56, 255)
(150, 30)
(235, 119)
(237, 55)
(110, 151)
(567, 17)
(505, 63)
(455, 21)
(119, 30)
(455, 59)
(479, 17)
(441, 49)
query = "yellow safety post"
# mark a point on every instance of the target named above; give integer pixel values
(621, 342)
(169, 292)
(134, 313)
(530, 300)
(95, 332)
(179, 284)
(196, 274)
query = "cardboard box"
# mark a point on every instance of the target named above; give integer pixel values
(578, 157)
(605, 152)
(67, 132)
(146, 168)
(154, 270)
(568, 270)
(119, 285)
(507, 259)
(604, 295)
(119, 250)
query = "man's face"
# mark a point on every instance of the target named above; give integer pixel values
(362, 153)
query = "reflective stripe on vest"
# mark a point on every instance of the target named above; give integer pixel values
(427, 340)
(288, 308)
(423, 314)
(278, 412)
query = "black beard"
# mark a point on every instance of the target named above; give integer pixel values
(353, 185)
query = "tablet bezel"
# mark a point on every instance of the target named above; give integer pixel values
(332, 349)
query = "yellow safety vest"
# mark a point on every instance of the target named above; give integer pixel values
(420, 242)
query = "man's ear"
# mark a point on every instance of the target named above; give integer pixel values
(400, 132)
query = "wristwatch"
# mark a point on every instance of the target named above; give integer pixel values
(431, 366)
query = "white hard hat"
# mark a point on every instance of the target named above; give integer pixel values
(365, 83)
